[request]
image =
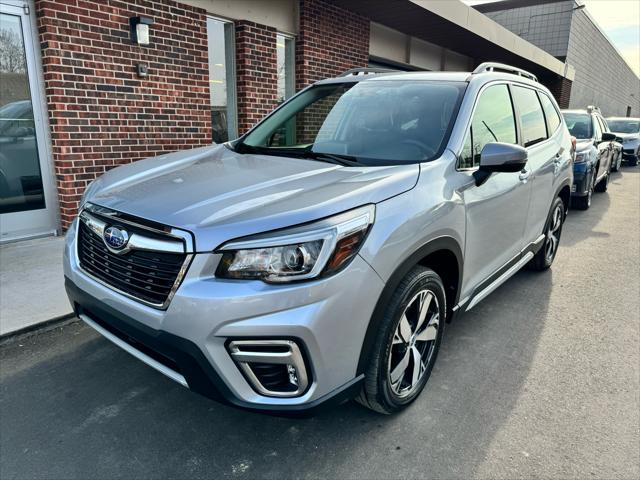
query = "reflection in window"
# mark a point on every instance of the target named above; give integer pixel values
(579, 125)
(550, 112)
(493, 121)
(285, 66)
(21, 185)
(221, 79)
(534, 129)
(377, 122)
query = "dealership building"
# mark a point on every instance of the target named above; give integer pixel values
(86, 85)
(566, 30)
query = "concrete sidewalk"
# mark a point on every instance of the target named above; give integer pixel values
(31, 283)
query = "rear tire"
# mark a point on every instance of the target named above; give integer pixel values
(552, 232)
(407, 344)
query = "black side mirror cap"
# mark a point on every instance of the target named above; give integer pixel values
(500, 157)
(608, 137)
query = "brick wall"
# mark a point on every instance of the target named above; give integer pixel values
(330, 41)
(256, 71)
(561, 90)
(101, 114)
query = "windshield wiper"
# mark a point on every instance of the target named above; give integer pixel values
(338, 159)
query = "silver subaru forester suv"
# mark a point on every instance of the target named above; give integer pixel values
(318, 257)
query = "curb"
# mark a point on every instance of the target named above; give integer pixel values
(38, 328)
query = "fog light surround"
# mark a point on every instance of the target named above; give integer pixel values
(273, 368)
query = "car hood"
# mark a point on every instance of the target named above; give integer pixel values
(627, 136)
(220, 195)
(582, 145)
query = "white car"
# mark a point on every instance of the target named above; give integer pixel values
(628, 131)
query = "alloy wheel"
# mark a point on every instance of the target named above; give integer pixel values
(553, 233)
(413, 343)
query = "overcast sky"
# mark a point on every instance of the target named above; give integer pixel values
(620, 20)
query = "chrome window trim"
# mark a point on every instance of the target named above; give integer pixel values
(97, 226)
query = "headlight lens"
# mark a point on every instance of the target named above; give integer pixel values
(581, 157)
(300, 253)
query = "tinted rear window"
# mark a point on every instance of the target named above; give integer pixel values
(579, 124)
(550, 112)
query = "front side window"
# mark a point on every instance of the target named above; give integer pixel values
(534, 128)
(624, 126)
(221, 79)
(493, 121)
(579, 125)
(374, 122)
(550, 113)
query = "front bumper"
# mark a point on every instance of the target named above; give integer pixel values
(631, 154)
(581, 179)
(328, 318)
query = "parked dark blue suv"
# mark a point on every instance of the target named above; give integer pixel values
(594, 154)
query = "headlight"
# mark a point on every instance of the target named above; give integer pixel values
(318, 249)
(581, 157)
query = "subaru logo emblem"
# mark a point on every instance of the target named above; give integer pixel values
(115, 238)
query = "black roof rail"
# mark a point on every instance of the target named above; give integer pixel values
(502, 67)
(366, 71)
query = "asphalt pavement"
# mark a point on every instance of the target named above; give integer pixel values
(542, 379)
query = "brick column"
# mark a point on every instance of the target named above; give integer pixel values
(256, 72)
(101, 113)
(331, 40)
(561, 90)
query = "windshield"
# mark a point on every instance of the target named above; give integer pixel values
(624, 126)
(369, 123)
(579, 124)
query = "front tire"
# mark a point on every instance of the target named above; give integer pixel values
(618, 162)
(584, 202)
(603, 185)
(407, 344)
(552, 232)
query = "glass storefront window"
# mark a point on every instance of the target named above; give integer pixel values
(286, 66)
(21, 186)
(222, 79)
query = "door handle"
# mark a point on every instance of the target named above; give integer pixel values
(524, 175)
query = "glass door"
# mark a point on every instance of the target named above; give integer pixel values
(27, 201)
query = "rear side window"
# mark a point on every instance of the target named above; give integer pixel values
(550, 112)
(534, 129)
(493, 121)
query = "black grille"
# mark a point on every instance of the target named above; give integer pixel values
(273, 376)
(148, 276)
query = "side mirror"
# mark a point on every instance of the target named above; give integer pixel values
(500, 157)
(608, 137)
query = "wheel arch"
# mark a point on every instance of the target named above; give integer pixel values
(444, 256)
(564, 192)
